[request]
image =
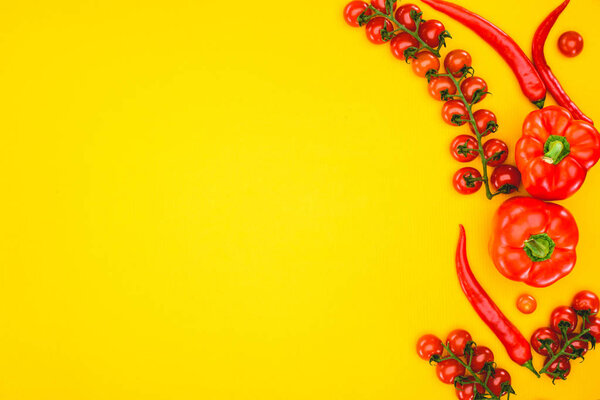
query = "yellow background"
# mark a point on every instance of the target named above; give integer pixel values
(243, 200)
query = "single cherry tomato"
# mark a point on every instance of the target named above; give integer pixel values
(570, 43)
(440, 84)
(495, 382)
(447, 370)
(526, 303)
(402, 15)
(563, 313)
(472, 85)
(425, 62)
(561, 363)
(429, 345)
(481, 356)
(374, 28)
(461, 180)
(579, 346)
(492, 147)
(587, 302)
(457, 340)
(594, 326)
(460, 140)
(430, 31)
(452, 108)
(380, 5)
(484, 119)
(455, 61)
(467, 391)
(544, 334)
(400, 43)
(353, 10)
(506, 175)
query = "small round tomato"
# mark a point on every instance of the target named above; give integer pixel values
(495, 147)
(578, 347)
(481, 356)
(566, 314)
(544, 334)
(506, 175)
(526, 303)
(486, 122)
(374, 28)
(594, 326)
(586, 302)
(439, 85)
(402, 15)
(495, 382)
(454, 112)
(447, 370)
(464, 180)
(424, 63)
(380, 5)
(561, 363)
(570, 43)
(457, 340)
(353, 10)
(467, 391)
(430, 31)
(471, 143)
(428, 346)
(402, 42)
(472, 85)
(455, 61)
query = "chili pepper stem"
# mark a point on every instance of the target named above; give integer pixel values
(529, 366)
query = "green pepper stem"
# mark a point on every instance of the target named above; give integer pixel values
(556, 148)
(539, 247)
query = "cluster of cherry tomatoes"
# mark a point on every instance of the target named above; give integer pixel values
(470, 368)
(572, 331)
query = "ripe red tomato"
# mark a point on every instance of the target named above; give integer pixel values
(448, 370)
(380, 5)
(353, 10)
(586, 301)
(467, 391)
(544, 334)
(506, 175)
(374, 28)
(402, 15)
(526, 303)
(594, 326)
(430, 31)
(563, 313)
(438, 85)
(492, 147)
(578, 346)
(472, 85)
(460, 180)
(561, 363)
(483, 120)
(452, 108)
(402, 42)
(460, 140)
(457, 340)
(455, 61)
(481, 356)
(425, 62)
(495, 382)
(570, 43)
(429, 345)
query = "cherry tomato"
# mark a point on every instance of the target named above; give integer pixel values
(380, 5)
(506, 175)
(374, 28)
(492, 147)
(402, 15)
(457, 340)
(481, 356)
(544, 334)
(430, 31)
(460, 184)
(448, 370)
(563, 313)
(353, 10)
(452, 108)
(460, 140)
(471, 85)
(402, 42)
(455, 61)
(495, 382)
(577, 346)
(483, 119)
(526, 303)
(561, 362)
(467, 391)
(594, 326)
(425, 62)
(586, 301)
(570, 43)
(429, 345)
(439, 84)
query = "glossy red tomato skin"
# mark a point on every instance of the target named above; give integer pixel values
(594, 326)
(481, 356)
(429, 32)
(505, 175)
(448, 370)
(374, 27)
(454, 107)
(570, 43)
(425, 62)
(467, 391)
(457, 340)
(526, 303)
(563, 313)
(586, 301)
(577, 345)
(492, 147)
(402, 15)
(400, 43)
(353, 10)
(461, 140)
(561, 362)
(482, 119)
(495, 382)
(470, 85)
(428, 346)
(543, 334)
(459, 183)
(456, 60)
(437, 85)
(380, 5)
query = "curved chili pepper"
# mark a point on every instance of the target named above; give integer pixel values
(539, 60)
(529, 79)
(515, 343)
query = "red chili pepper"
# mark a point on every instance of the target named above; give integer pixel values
(529, 79)
(515, 343)
(537, 50)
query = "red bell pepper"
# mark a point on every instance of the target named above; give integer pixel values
(533, 241)
(555, 152)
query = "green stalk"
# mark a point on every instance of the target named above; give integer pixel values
(563, 352)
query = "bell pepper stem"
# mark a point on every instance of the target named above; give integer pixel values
(539, 247)
(555, 149)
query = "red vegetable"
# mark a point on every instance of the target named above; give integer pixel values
(526, 303)
(447, 370)
(457, 341)
(353, 10)
(586, 303)
(466, 180)
(570, 43)
(497, 148)
(563, 314)
(464, 156)
(481, 356)
(428, 346)
(552, 83)
(531, 83)
(515, 343)
(545, 334)
(506, 176)
(495, 383)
